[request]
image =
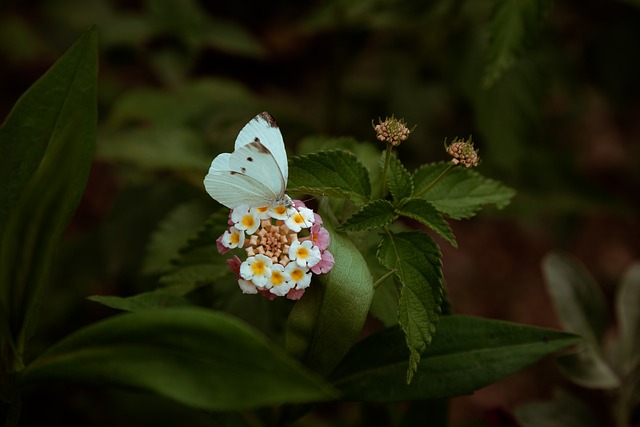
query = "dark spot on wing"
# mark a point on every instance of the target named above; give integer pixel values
(269, 119)
(233, 172)
(250, 159)
(244, 170)
(256, 139)
(261, 148)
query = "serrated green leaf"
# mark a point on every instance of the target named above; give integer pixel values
(514, 24)
(373, 215)
(329, 317)
(462, 192)
(415, 258)
(46, 147)
(176, 353)
(467, 354)
(171, 235)
(145, 301)
(335, 173)
(423, 211)
(399, 180)
(628, 310)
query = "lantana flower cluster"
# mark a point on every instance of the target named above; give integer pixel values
(285, 246)
(392, 131)
(463, 152)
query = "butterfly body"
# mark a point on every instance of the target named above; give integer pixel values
(256, 173)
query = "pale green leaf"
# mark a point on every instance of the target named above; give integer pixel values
(373, 215)
(578, 299)
(563, 411)
(628, 310)
(461, 193)
(200, 358)
(468, 353)
(415, 259)
(588, 369)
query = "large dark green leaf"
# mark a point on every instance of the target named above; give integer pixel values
(46, 147)
(399, 180)
(198, 357)
(326, 321)
(467, 354)
(415, 259)
(423, 211)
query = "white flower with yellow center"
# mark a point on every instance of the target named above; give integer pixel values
(302, 218)
(300, 277)
(233, 238)
(279, 283)
(281, 211)
(304, 254)
(245, 218)
(263, 212)
(257, 269)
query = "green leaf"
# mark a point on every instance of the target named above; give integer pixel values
(334, 173)
(415, 258)
(144, 301)
(197, 357)
(468, 353)
(329, 317)
(514, 24)
(423, 211)
(46, 147)
(582, 309)
(399, 180)
(578, 299)
(563, 411)
(587, 369)
(462, 192)
(628, 308)
(157, 148)
(373, 215)
(172, 234)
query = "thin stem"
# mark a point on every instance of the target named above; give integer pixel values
(435, 181)
(383, 278)
(387, 160)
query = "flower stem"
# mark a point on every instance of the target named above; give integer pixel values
(383, 278)
(387, 160)
(435, 181)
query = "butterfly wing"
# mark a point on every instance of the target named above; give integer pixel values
(264, 129)
(248, 176)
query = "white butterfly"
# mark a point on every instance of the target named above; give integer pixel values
(256, 173)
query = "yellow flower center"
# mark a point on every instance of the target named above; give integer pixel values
(235, 238)
(276, 278)
(302, 252)
(258, 268)
(280, 210)
(296, 275)
(298, 219)
(247, 221)
(262, 210)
